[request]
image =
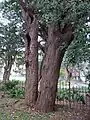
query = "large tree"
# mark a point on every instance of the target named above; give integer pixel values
(56, 23)
(60, 18)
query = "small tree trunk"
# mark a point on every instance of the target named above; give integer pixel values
(50, 71)
(6, 74)
(7, 68)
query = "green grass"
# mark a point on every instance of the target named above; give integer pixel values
(23, 116)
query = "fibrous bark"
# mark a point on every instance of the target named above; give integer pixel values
(57, 40)
(31, 54)
(57, 44)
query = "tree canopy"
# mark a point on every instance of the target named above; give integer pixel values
(79, 50)
(11, 40)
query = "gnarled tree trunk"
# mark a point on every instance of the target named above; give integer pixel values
(31, 54)
(57, 45)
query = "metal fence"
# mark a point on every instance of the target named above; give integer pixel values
(69, 95)
(73, 95)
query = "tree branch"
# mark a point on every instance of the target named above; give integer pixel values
(27, 13)
(41, 47)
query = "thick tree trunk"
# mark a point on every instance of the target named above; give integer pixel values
(48, 85)
(57, 43)
(7, 69)
(50, 70)
(31, 55)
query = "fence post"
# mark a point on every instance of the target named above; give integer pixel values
(69, 93)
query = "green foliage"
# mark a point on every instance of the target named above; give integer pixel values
(11, 84)
(17, 92)
(62, 72)
(19, 115)
(11, 10)
(13, 88)
(11, 40)
(62, 11)
(52, 11)
(79, 50)
(2, 87)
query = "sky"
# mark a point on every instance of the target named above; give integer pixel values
(1, 18)
(1, 0)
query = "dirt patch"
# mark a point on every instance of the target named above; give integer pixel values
(66, 113)
(63, 112)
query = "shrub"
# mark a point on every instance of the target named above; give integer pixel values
(11, 84)
(14, 89)
(17, 92)
(2, 87)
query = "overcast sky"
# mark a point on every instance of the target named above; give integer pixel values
(1, 0)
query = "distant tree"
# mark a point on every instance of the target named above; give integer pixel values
(78, 53)
(11, 40)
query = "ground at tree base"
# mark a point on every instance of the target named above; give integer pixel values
(15, 109)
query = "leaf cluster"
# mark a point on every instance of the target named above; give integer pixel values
(79, 50)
